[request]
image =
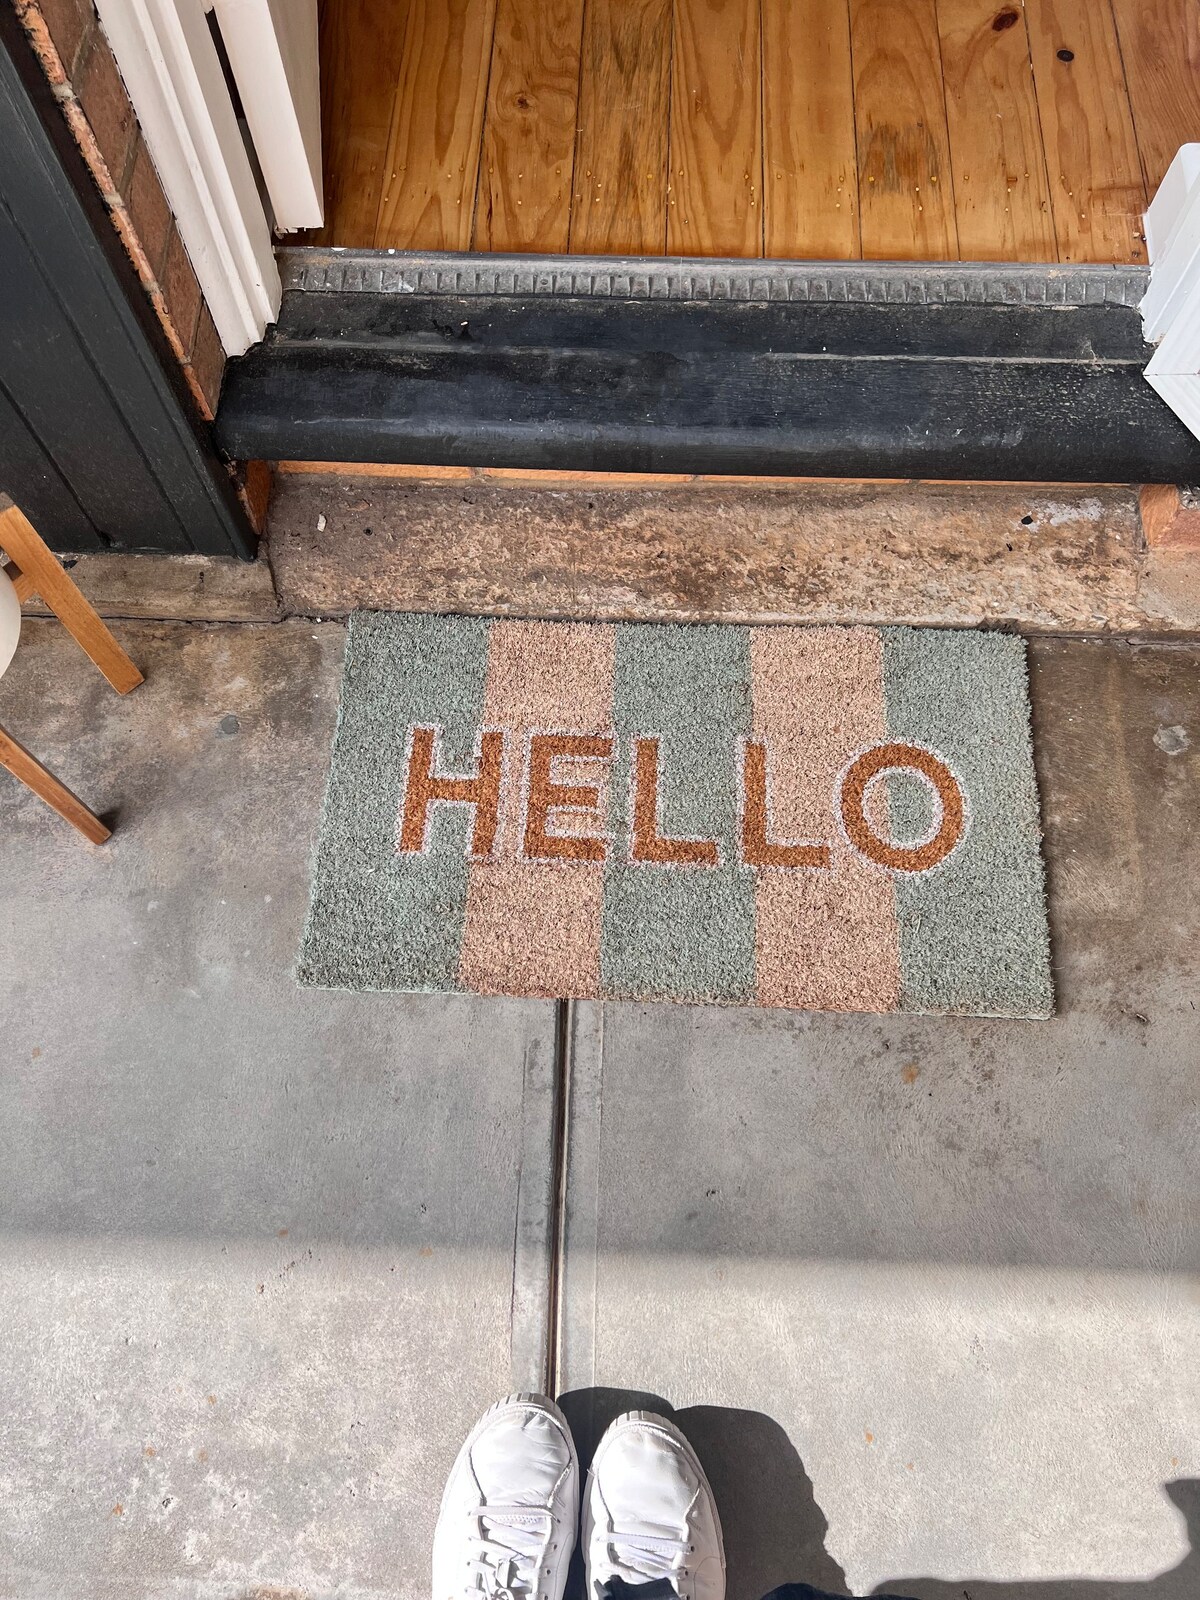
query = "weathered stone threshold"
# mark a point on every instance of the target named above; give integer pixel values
(1041, 559)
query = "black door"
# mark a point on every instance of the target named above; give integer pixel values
(97, 444)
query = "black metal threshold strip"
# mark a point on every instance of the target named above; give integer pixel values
(857, 369)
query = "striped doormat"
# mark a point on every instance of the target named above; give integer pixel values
(829, 818)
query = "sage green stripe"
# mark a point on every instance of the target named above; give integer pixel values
(380, 920)
(973, 932)
(680, 933)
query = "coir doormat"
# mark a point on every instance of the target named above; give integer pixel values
(831, 818)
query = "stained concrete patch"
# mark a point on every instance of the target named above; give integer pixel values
(1172, 741)
(257, 1244)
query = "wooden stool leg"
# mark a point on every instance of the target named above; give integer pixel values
(47, 787)
(43, 573)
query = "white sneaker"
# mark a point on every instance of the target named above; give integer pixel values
(649, 1513)
(507, 1524)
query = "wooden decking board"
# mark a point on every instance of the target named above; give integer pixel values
(1160, 48)
(1096, 186)
(358, 88)
(833, 129)
(905, 185)
(529, 128)
(1001, 194)
(714, 191)
(436, 130)
(810, 164)
(620, 192)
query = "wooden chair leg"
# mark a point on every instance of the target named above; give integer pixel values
(22, 584)
(47, 787)
(42, 572)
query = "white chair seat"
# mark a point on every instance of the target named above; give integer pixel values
(10, 621)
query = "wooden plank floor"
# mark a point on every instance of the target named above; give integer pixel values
(1006, 130)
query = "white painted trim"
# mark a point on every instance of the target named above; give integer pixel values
(1181, 391)
(1170, 200)
(272, 50)
(1178, 351)
(1171, 307)
(1173, 243)
(173, 76)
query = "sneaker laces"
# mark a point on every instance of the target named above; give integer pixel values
(647, 1558)
(508, 1549)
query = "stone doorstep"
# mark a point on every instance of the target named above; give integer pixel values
(1040, 559)
(1046, 559)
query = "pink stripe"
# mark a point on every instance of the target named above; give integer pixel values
(826, 940)
(533, 928)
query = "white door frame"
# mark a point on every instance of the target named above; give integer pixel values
(1171, 308)
(273, 53)
(174, 80)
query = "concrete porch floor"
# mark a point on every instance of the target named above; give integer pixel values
(926, 1292)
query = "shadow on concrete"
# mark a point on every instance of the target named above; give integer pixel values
(1180, 1583)
(775, 1530)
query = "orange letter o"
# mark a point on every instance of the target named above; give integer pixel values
(894, 758)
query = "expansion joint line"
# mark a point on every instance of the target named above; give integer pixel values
(564, 1033)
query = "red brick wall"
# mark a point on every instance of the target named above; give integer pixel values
(67, 38)
(1170, 517)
